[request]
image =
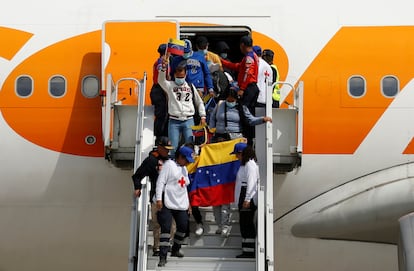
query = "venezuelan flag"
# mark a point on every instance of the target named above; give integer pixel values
(213, 174)
(176, 47)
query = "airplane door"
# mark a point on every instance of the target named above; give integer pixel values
(129, 49)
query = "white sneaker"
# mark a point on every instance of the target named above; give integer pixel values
(199, 230)
(225, 232)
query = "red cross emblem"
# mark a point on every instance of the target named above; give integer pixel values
(266, 74)
(181, 181)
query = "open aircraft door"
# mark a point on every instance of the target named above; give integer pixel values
(129, 50)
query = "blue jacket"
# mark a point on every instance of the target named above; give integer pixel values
(198, 73)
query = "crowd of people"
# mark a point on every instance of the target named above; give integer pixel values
(182, 85)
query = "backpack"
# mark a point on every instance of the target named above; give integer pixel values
(220, 83)
(196, 116)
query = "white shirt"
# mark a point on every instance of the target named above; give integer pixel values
(173, 181)
(264, 76)
(248, 175)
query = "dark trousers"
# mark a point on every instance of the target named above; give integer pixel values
(247, 225)
(249, 99)
(159, 101)
(165, 216)
(197, 214)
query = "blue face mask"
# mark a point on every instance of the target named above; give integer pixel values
(179, 81)
(230, 104)
(205, 51)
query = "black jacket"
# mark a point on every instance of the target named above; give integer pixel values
(148, 168)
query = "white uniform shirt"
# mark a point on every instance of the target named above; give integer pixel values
(264, 76)
(248, 175)
(173, 181)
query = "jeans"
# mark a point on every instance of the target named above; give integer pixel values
(177, 128)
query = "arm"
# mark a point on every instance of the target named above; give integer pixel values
(199, 104)
(252, 180)
(207, 76)
(162, 79)
(141, 172)
(230, 65)
(212, 121)
(252, 120)
(161, 182)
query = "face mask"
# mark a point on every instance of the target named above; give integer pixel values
(179, 81)
(205, 51)
(223, 55)
(187, 55)
(230, 104)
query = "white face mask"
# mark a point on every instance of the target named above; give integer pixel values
(230, 104)
(223, 55)
(179, 81)
(187, 55)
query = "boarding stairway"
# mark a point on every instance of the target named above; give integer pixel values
(127, 141)
(210, 251)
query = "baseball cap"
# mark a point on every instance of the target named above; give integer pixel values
(258, 50)
(188, 46)
(239, 147)
(163, 141)
(187, 152)
(268, 52)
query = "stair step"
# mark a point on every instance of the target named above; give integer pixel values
(210, 251)
(208, 214)
(211, 227)
(215, 240)
(203, 264)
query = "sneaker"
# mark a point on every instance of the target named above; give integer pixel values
(225, 232)
(177, 253)
(219, 231)
(199, 230)
(162, 262)
(156, 252)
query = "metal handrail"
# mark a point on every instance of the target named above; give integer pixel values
(139, 211)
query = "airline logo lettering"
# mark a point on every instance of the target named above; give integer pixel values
(176, 47)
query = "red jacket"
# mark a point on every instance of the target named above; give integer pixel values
(247, 69)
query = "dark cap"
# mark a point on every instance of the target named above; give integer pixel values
(258, 50)
(187, 152)
(239, 147)
(162, 48)
(246, 41)
(163, 141)
(222, 47)
(201, 42)
(268, 52)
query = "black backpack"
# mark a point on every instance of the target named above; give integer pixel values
(220, 83)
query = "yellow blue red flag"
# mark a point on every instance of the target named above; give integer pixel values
(176, 47)
(213, 174)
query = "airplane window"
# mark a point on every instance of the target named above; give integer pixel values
(57, 86)
(90, 86)
(24, 86)
(390, 86)
(356, 86)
